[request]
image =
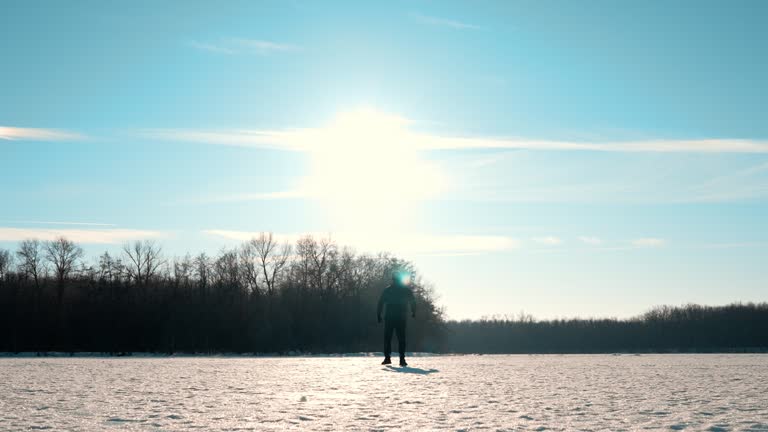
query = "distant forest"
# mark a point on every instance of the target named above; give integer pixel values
(309, 297)
(690, 328)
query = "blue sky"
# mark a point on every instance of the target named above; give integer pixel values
(561, 158)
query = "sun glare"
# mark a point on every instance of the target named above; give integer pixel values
(366, 173)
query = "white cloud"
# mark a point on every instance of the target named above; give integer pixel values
(98, 236)
(649, 242)
(258, 196)
(289, 194)
(433, 142)
(211, 47)
(548, 240)
(443, 22)
(243, 46)
(35, 134)
(590, 240)
(279, 140)
(309, 139)
(395, 243)
(263, 46)
(368, 141)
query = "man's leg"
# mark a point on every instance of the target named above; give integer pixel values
(400, 329)
(388, 328)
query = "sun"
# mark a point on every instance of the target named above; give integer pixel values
(367, 173)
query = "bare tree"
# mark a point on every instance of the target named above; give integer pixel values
(305, 247)
(344, 272)
(31, 262)
(63, 255)
(227, 270)
(323, 256)
(272, 258)
(202, 270)
(314, 258)
(249, 268)
(143, 259)
(110, 269)
(6, 261)
(182, 270)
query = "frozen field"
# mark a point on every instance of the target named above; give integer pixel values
(549, 392)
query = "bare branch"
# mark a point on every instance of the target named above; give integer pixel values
(63, 255)
(144, 258)
(31, 260)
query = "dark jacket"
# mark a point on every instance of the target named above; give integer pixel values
(396, 298)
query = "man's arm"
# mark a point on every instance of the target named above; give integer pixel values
(380, 306)
(413, 303)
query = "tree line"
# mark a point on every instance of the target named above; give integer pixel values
(690, 328)
(262, 296)
(265, 296)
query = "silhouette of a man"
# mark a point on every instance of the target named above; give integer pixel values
(396, 298)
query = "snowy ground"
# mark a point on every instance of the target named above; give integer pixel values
(600, 392)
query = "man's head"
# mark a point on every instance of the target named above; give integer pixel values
(401, 278)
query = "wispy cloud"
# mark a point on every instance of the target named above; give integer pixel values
(432, 142)
(36, 134)
(241, 197)
(279, 140)
(369, 129)
(94, 236)
(741, 184)
(212, 47)
(548, 240)
(624, 246)
(263, 46)
(243, 46)
(590, 240)
(649, 242)
(314, 138)
(397, 243)
(290, 194)
(443, 22)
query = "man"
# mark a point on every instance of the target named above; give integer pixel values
(396, 297)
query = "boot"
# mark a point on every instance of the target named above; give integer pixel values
(387, 361)
(402, 361)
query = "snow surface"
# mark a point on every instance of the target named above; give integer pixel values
(546, 392)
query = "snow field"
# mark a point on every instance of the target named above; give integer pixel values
(523, 392)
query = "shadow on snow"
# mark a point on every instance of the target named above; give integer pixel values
(408, 369)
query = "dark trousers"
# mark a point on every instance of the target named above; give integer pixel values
(396, 325)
